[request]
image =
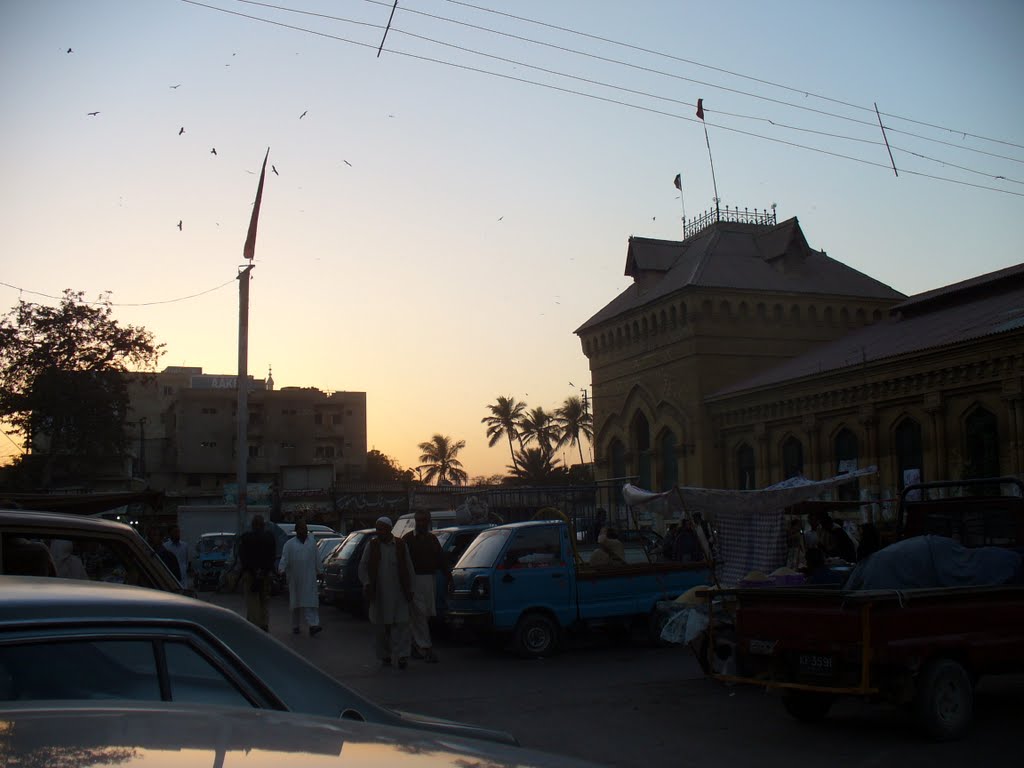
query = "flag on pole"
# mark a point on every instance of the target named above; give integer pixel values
(678, 181)
(700, 108)
(249, 250)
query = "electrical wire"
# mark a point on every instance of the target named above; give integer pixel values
(733, 74)
(121, 304)
(550, 86)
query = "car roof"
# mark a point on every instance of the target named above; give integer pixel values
(189, 736)
(61, 520)
(466, 527)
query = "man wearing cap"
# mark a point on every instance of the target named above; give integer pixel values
(386, 572)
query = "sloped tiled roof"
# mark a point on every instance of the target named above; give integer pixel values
(968, 313)
(736, 256)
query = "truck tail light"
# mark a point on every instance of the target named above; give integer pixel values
(481, 587)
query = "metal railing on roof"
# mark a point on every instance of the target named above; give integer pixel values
(735, 215)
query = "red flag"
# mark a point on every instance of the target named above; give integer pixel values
(700, 108)
(678, 181)
(249, 250)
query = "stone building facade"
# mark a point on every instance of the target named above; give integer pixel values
(741, 356)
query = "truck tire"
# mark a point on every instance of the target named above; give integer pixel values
(536, 636)
(807, 706)
(944, 703)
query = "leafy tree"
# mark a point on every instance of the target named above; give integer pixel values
(574, 421)
(438, 457)
(381, 468)
(488, 480)
(503, 422)
(64, 375)
(534, 466)
(539, 427)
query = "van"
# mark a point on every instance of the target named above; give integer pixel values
(439, 518)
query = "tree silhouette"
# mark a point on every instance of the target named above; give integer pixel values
(573, 422)
(504, 422)
(438, 457)
(539, 426)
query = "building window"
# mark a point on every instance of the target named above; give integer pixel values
(745, 468)
(287, 445)
(324, 452)
(318, 418)
(642, 446)
(255, 451)
(348, 412)
(288, 411)
(208, 411)
(617, 452)
(981, 457)
(193, 480)
(168, 391)
(208, 444)
(792, 458)
(669, 462)
(336, 418)
(909, 456)
(846, 461)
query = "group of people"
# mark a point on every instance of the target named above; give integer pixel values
(826, 540)
(397, 574)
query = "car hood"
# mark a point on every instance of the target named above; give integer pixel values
(453, 728)
(119, 734)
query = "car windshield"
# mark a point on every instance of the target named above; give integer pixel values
(442, 537)
(210, 544)
(349, 546)
(484, 550)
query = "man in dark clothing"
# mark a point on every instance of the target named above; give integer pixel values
(256, 552)
(833, 540)
(156, 541)
(427, 560)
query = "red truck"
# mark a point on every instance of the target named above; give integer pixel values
(919, 646)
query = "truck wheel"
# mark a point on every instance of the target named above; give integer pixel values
(944, 702)
(807, 706)
(536, 636)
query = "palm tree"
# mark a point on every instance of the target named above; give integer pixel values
(535, 467)
(438, 457)
(574, 421)
(503, 421)
(538, 426)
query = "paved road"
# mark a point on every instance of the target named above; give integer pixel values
(634, 705)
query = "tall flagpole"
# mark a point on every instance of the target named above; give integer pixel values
(700, 114)
(679, 185)
(242, 446)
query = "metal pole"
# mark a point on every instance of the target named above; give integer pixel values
(242, 447)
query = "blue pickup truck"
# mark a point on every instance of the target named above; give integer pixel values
(523, 580)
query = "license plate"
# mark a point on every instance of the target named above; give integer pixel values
(812, 664)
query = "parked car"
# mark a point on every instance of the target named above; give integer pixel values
(72, 640)
(522, 581)
(325, 548)
(106, 735)
(108, 550)
(454, 541)
(439, 518)
(213, 554)
(341, 572)
(315, 530)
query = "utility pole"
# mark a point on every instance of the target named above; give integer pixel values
(242, 416)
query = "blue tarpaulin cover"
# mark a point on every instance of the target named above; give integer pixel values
(925, 562)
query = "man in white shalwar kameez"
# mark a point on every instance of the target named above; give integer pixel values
(300, 564)
(386, 572)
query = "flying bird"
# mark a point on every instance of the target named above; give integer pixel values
(179, 225)
(346, 162)
(303, 114)
(213, 151)
(92, 114)
(274, 169)
(182, 130)
(572, 385)
(500, 218)
(176, 86)
(70, 51)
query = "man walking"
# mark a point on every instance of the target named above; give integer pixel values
(165, 555)
(300, 564)
(256, 551)
(427, 560)
(179, 549)
(386, 572)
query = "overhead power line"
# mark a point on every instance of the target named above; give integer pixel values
(123, 304)
(584, 94)
(733, 74)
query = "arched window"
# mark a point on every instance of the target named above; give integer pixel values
(792, 458)
(981, 433)
(669, 462)
(909, 456)
(846, 461)
(617, 451)
(745, 467)
(641, 440)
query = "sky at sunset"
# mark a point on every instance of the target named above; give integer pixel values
(443, 217)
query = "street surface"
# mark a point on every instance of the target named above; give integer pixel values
(635, 705)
